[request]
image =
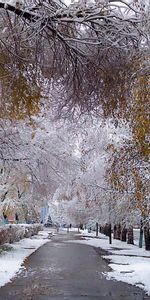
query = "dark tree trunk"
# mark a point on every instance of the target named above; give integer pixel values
(115, 231)
(118, 232)
(107, 229)
(147, 237)
(104, 230)
(100, 229)
(124, 234)
(130, 236)
(96, 229)
(110, 237)
(81, 226)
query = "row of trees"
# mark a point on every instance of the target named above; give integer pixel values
(34, 159)
(92, 172)
(128, 173)
(113, 183)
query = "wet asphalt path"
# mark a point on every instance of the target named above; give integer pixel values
(62, 270)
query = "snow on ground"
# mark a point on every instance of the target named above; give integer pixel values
(11, 261)
(129, 263)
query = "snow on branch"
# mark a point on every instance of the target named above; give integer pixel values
(107, 24)
(18, 11)
(76, 46)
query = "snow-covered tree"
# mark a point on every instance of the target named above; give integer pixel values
(88, 51)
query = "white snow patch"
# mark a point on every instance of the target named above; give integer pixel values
(11, 262)
(129, 263)
(133, 270)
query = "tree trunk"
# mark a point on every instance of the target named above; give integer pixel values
(130, 236)
(96, 229)
(124, 235)
(107, 229)
(110, 238)
(118, 232)
(147, 237)
(81, 226)
(115, 231)
(104, 230)
(100, 229)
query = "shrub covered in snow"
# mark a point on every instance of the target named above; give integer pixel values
(13, 233)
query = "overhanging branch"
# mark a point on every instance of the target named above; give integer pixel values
(109, 27)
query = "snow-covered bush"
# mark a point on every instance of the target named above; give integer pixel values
(14, 233)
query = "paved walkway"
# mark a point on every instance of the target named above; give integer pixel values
(62, 270)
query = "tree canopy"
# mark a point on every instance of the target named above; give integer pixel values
(71, 61)
(90, 51)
